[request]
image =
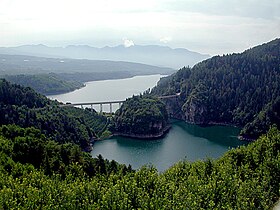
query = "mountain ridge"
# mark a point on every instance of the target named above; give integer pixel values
(36, 64)
(148, 54)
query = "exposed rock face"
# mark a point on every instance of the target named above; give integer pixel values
(173, 107)
(196, 113)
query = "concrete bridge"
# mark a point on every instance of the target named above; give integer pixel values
(91, 104)
(110, 103)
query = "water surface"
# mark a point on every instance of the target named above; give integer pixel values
(184, 141)
(109, 90)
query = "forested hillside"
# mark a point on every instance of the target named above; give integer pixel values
(26, 108)
(37, 173)
(46, 84)
(141, 117)
(230, 89)
(31, 147)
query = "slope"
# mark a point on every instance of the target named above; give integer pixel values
(229, 89)
(24, 107)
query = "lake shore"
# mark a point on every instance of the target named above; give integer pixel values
(146, 136)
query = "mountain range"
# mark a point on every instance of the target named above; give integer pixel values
(147, 54)
(24, 64)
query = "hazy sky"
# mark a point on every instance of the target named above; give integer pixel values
(207, 26)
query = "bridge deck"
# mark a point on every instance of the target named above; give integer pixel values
(111, 102)
(92, 103)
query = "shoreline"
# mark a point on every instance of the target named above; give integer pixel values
(240, 137)
(146, 137)
(211, 123)
(98, 79)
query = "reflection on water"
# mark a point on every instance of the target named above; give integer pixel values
(184, 141)
(223, 135)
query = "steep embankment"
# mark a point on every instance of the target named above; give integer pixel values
(141, 117)
(230, 89)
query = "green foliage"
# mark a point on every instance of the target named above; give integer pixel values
(106, 134)
(45, 83)
(16, 95)
(229, 89)
(268, 116)
(244, 178)
(97, 122)
(30, 146)
(141, 115)
(26, 108)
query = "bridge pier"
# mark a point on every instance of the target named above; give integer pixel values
(111, 110)
(101, 108)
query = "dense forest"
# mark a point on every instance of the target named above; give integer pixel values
(38, 173)
(46, 84)
(30, 146)
(237, 89)
(141, 117)
(24, 107)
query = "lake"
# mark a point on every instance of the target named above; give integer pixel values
(184, 141)
(109, 90)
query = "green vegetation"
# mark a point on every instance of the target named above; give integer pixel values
(97, 122)
(26, 108)
(30, 146)
(141, 116)
(229, 89)
(38, 173)
(268, 116)
(46, 84)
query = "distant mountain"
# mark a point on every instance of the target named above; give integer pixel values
(149, 54)
(23, 64)
(239, 89)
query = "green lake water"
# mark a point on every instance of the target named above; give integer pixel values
(183, 142)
